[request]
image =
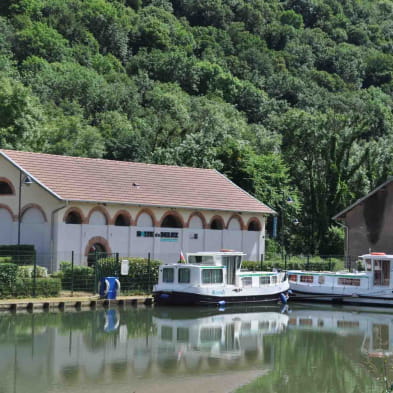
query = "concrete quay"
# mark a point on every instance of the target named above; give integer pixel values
(72, 303)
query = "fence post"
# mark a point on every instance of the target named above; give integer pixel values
(285, 262)
(308, 263)
(35, 275)
(95, 272)
(72, 273)
(117, 272)
(148, 272)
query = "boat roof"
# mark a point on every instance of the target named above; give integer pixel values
(376, 255)
(206, 253)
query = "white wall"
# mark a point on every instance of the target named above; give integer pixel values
(8, 228)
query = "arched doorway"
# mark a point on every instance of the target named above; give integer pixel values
(97, 248)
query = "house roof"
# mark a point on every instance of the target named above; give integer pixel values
(120, 182)
(342, 213)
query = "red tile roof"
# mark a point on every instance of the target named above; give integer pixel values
(98, 180)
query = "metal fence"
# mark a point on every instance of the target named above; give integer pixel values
(73, 274)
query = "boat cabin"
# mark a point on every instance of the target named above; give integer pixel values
(377, 273)
(218, 268)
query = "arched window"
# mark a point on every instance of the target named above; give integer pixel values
(73, 217)
(217, 223)
(254, 225)
(6, 187)
(122, 220)
(171, 221)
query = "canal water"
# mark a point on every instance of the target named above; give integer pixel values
(185, 350)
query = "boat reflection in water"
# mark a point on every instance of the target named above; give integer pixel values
(375, 328)
(221, 338)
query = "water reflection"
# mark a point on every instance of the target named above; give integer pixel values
(303, 349)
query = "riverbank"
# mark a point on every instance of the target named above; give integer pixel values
(75, 302)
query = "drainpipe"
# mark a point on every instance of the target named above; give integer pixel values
(52, 231)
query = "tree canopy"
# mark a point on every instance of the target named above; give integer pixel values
(286, 97)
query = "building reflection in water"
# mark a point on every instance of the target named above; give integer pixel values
(40, 352)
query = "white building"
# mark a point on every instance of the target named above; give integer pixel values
(63, 204)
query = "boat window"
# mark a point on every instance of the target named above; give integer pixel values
(167, 274)
(368, 265)
(321, 280)
(380, 337)
(308, 279)
(182, 334)
(205, 259)
(166, 333)
(347, 324)
(212, 276)
(349, 281)
(211, 334)
(305, 321)
(246, 282)
(273, 279)
(264, 280)
(184, 275)
(292, 277)
(381, 272)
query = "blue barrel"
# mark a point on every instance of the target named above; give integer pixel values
(109, 286)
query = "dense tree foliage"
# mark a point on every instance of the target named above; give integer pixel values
(286, 97)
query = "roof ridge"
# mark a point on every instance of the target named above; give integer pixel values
(105, 160)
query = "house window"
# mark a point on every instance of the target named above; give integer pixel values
(184, 275)
(308, 279)
(349, 281)
(73, 218)
(167, 274)
(122, 220)
(216, 224)
(246, 282)
(292, 277)
(264, 280)
(5, 188)
(212, 276)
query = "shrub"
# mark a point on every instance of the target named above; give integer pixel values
(8, 273)
(23, 254)
(27, 271)
(24, 287)
(82, 279)
(140, 278)
(43, 287)
(295, 263)
(5, 259)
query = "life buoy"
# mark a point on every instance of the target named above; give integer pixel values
(118, 285)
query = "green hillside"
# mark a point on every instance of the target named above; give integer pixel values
(287, 98)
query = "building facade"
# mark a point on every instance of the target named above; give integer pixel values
(70, 204)
(368, 223)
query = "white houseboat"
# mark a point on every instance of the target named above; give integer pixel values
(216, 278)
(373, 286)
